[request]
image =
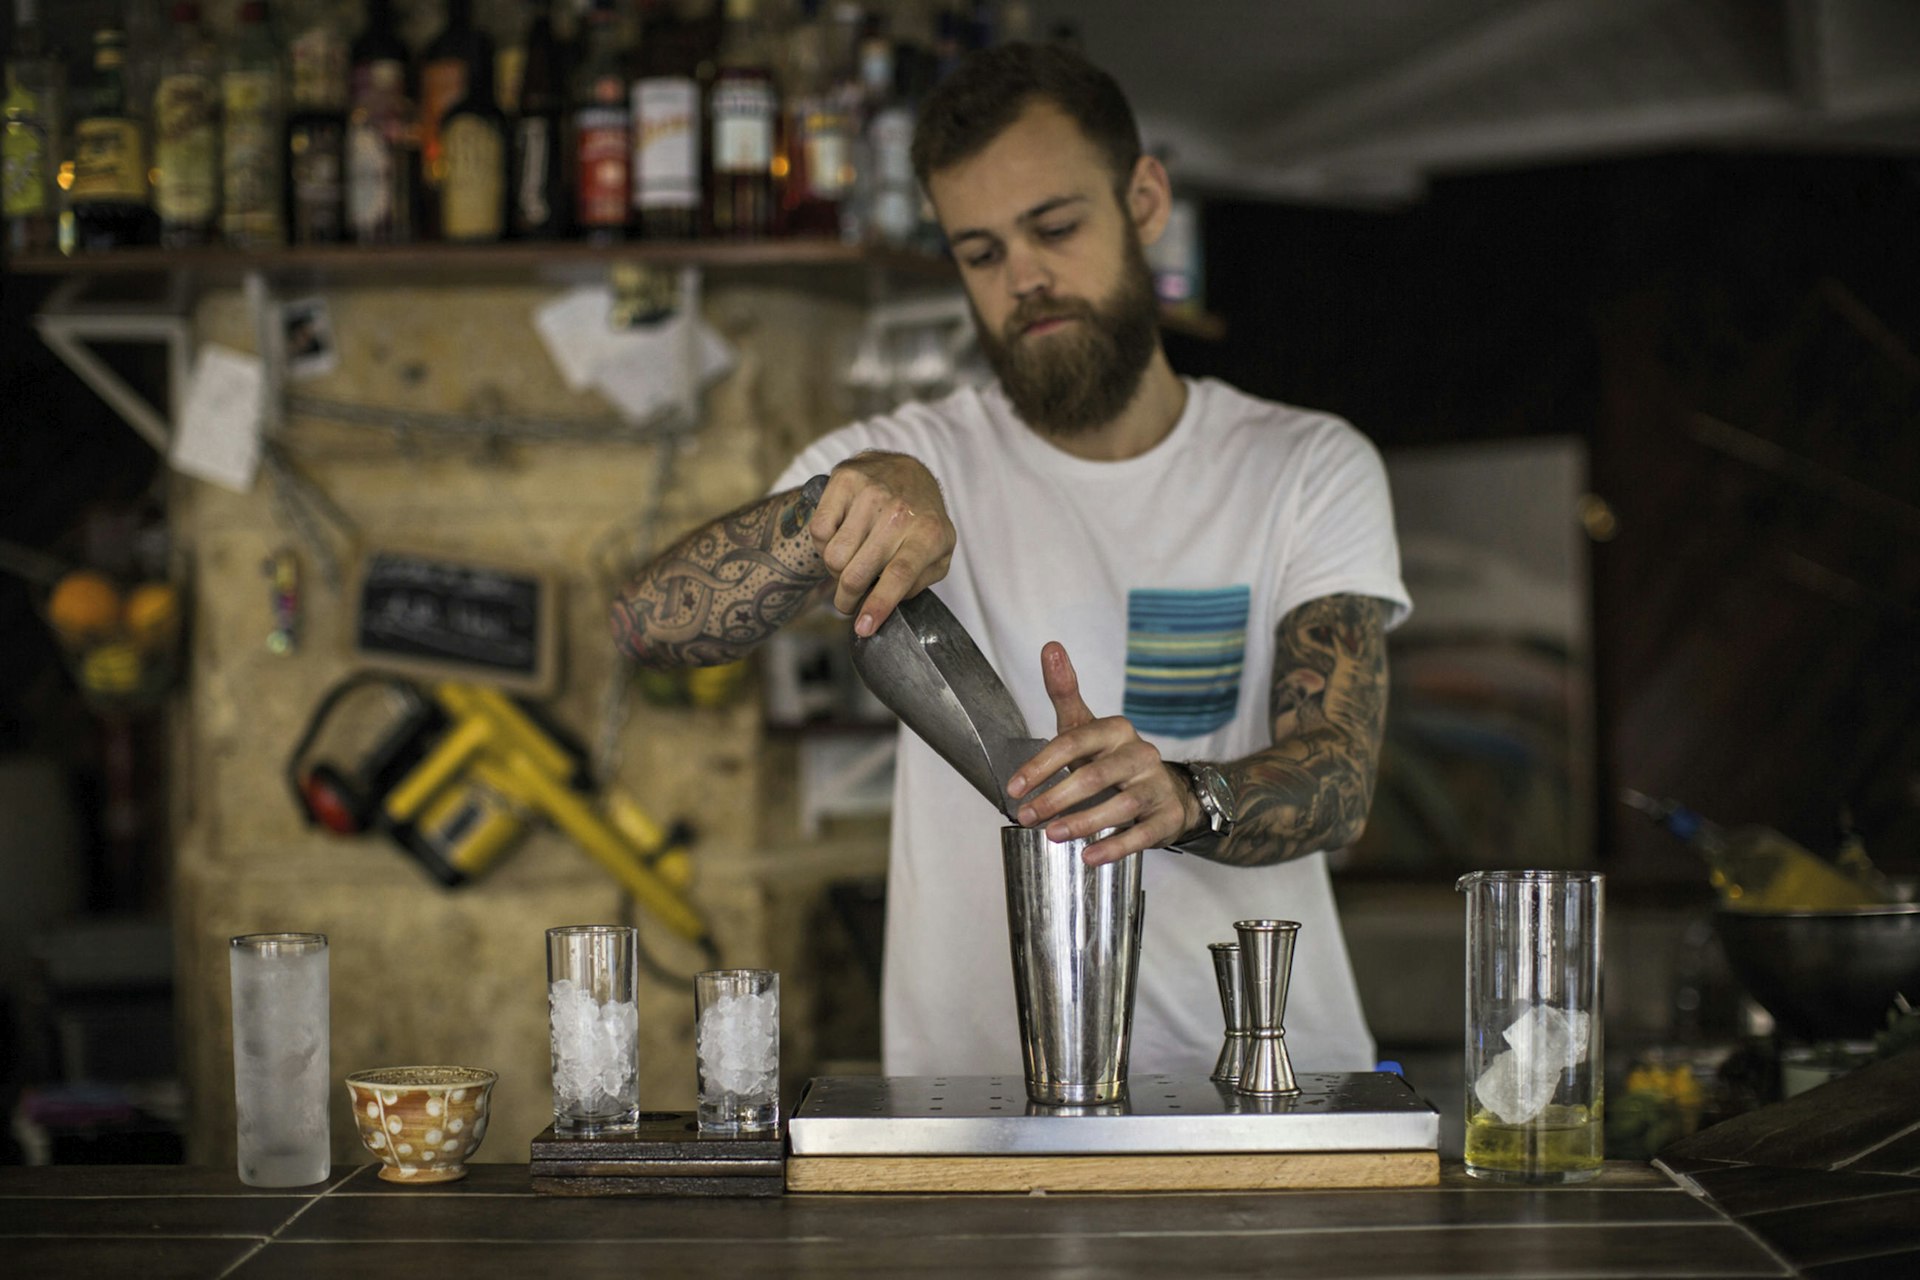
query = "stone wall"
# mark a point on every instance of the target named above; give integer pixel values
(421, 973)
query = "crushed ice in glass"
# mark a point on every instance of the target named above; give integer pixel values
(1544, 1042)
(739, 1044)
(594, 1049)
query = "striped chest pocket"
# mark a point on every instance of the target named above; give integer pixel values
(1185, 651)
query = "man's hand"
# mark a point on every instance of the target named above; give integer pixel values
(883, 531)
(1155, 805)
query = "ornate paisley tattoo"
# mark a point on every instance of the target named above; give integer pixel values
(725, 587)
(1311, 789)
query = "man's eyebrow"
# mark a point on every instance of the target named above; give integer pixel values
(1040, 210)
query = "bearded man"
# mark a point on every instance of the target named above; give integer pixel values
(1222, 569)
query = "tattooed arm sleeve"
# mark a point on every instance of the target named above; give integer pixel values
(1311, 789)
(726, 586)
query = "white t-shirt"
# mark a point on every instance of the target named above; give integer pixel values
(1165, 576)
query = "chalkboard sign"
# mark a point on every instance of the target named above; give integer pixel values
(456, 620)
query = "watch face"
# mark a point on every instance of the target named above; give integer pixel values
(1214, 788)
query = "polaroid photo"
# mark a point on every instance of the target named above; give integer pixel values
(308, 328)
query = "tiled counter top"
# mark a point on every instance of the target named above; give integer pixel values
(159, 1222)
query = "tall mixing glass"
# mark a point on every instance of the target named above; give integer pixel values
(280, 1057)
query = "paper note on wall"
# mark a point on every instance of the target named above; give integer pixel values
(642, 371)
(218, 436)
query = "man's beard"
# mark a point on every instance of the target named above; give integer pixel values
(1070, 382)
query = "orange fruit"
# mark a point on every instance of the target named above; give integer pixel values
(84, 607)
(152, 614)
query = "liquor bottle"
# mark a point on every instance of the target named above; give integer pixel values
(741, 110)
(446, 68)
(186, 133)
(473, 140)
(250, 177)
(950, 30)
(1016, 23)
(536, 181)
(377, 46)
(889, 195)
(30, 160)
(1755, 868)
(603, 146)
(382, 149)
(111, 201)
(317, 134)
(510, 64)
(814, 169)
(666, 125)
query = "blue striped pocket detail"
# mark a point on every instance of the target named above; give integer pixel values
(1185, 652)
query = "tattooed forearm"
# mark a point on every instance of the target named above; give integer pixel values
(725, 587)
(1311, 789)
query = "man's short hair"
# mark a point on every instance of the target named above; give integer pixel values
(991, 88)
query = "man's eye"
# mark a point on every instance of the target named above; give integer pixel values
(1060, 232)
(978, 260)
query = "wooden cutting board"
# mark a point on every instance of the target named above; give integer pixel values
(1252, 1171)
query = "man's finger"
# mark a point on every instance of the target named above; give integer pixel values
(832, 509)
(895, 584)
(1063, 687)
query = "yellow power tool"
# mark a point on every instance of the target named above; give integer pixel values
(456, 781)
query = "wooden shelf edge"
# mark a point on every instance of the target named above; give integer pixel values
(455, 258)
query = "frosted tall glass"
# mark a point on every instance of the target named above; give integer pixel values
(737, 1049)
(280, 1058)
(593, 1015)
(1535, 1053)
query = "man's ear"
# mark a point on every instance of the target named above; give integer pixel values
(1149, 198)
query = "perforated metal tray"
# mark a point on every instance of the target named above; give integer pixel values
(990, 1115)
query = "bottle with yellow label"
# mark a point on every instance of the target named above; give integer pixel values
(473, 137)
(111, 203)
(30, 109)
(250, 159)
(186, 133)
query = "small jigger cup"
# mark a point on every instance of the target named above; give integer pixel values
(1233, 1007)
(1266, 963)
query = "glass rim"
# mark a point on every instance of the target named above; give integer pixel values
(1266, 926)
(264, 943)
(589, 930)
(1532, 875)
(737, 973)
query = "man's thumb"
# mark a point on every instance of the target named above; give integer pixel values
(1063, 687)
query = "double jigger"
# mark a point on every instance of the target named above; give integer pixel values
(1252, 974)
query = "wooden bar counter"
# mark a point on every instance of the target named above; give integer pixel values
(158, 1222)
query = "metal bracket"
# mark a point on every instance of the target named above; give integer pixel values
(67, 324)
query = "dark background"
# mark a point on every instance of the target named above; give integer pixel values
(1757, 613)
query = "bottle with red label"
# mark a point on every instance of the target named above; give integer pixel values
(602, 135)
(742, 109)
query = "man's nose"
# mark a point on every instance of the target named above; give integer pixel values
(1027, 275)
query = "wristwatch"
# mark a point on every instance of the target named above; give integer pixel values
(1210, 788)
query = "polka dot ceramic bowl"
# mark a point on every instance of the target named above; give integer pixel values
(423, 1123)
